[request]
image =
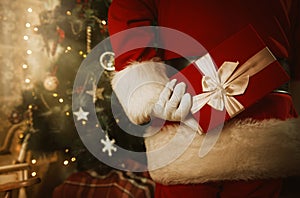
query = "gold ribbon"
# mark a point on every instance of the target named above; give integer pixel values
(220, 87)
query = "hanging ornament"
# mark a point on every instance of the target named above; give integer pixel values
(15, 117)
(51, 82)
(60, 37)
(107, 61)
(108, 145)
(81, 115)
(88, 39)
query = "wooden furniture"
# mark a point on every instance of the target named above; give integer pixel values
(22, 181)
(14, 176)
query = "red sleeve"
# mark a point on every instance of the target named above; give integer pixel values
(126, 14)
(295, 40)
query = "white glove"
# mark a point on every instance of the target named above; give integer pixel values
(173, 103)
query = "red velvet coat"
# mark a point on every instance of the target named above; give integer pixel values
(210, 22)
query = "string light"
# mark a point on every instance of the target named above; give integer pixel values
(27, 80)
(29, 10)
(61, 100)
(54, 95)
(33, 174)
(24, 66)
(80, 52)
(29, 52)
(33, 161)
(103, 22)
(66, 162)
(67, 150)
(67, 113)
(21, 135)
(27, 25)
(73, 159)
(35, 29)
(26, 37)
(69, 13)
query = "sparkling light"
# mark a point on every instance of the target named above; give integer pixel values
(67, 150)
(103, 22)
(33, 174)
(33, 161)
(29, 52)
(69, 13)
(27, 80)
(26, 37)
(27, 25)
(24, 66)
(35, 29)
(69, 48)
(54, 95)
(73, 159)
(66, 162)
(67, 113)
(29, 10)
(61, 100)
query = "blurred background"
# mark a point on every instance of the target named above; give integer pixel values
(43, 43)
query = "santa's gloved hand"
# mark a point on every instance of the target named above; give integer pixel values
(173, 103)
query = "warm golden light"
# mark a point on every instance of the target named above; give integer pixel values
(29, 52)
(24, 66)
(27, 80)
(33, 174)
(33, 161)
(66, 162)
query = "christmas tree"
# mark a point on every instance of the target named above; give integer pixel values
(69, 30)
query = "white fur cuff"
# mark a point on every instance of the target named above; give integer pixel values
(138, 87)
(245, 150)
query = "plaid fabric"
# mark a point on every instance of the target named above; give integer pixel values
(115, 184)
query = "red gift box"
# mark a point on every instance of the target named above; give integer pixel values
(230, 78)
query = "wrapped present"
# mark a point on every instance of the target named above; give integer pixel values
(231, 77)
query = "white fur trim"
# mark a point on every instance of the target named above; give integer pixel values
(245, 150)
(138, 87)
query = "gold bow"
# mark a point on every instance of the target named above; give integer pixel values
(220, 87)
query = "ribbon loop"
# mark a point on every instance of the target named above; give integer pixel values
(220, 86)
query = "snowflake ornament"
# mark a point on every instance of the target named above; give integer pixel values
(81, 115)
(108, 145)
